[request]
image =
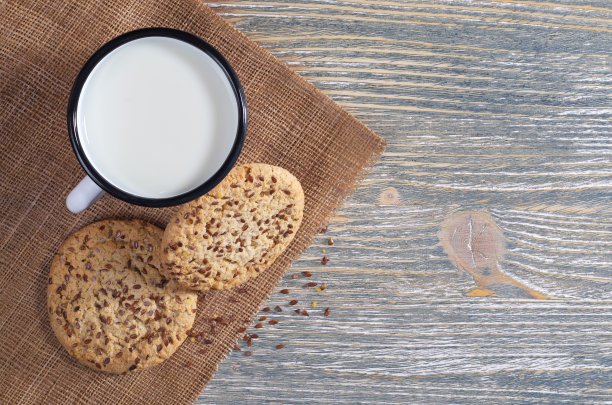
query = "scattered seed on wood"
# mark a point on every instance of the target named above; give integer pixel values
(254, 336)
(259, 325)
(314, 304)
(285, 291)
(323, 286)
(294, 276)
(266, 309)
(280, 346)
(247, 354)
(306, 274)
(298, 311)
(305, 313)
(311, 284)
(293, 302)
(326, 313)
(324, 260)
(263, 318)
(278, 309)
(250, 342)
(330, 242)
(236, 348)
(272, 322)
(323, 230)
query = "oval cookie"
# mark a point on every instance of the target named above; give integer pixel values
(234, 232)
(107, 303)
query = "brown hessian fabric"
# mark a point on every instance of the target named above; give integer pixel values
(43, 45)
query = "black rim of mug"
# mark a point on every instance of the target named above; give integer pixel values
(73, 102)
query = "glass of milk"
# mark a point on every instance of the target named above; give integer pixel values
(156, 117)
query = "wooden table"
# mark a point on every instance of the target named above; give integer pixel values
(474, 263)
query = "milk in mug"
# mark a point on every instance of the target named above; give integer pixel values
(157, 117)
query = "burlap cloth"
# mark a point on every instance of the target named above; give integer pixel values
(43, 44)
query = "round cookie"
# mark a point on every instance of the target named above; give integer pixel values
(234, 232)
(108, 304)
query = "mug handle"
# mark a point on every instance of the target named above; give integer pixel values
(83, 195)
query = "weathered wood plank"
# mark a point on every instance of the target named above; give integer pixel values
(496, 109)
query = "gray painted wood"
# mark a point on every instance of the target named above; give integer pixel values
(498, 109)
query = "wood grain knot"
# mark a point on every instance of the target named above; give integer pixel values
(389, 196)
(475, 244)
